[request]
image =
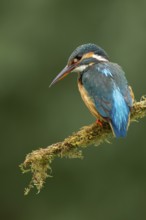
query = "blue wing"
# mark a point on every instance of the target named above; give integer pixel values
(108, 88)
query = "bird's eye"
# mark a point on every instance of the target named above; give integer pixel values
(76, 59)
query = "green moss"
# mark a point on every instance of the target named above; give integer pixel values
(39, 162)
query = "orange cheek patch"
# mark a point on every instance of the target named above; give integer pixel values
(88, 55)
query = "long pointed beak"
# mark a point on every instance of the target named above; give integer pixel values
(62, 74)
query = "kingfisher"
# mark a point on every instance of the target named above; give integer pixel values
(102, 85)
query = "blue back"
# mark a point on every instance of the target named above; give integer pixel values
(108, 88)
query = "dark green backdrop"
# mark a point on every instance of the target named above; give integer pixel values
(36, 38)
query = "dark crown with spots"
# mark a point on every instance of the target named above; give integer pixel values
(86, 48)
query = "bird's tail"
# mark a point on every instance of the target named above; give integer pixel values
(120, 121)
(119, 130)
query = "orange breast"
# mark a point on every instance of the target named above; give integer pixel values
(88, 101)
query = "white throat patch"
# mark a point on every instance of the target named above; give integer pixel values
(80, 68)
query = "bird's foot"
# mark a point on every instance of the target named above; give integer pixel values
(98, 122)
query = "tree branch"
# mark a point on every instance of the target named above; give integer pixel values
(38, 162)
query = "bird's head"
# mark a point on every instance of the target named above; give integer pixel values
(81, 58)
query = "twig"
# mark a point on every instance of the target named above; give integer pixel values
(38, 162)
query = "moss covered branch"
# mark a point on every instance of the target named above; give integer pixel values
(38, 162)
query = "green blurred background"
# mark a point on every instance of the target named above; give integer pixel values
(36, 38)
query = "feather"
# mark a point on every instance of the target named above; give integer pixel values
(107, 89)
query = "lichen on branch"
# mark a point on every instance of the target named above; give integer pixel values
(38, 162)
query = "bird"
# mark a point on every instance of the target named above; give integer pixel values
(102, 85)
